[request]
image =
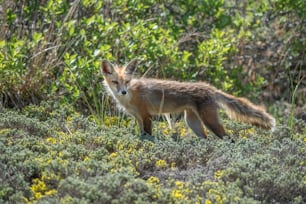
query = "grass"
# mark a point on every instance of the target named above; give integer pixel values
(291, 121)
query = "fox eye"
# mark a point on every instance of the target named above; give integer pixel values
(115, 82)
(126, 82)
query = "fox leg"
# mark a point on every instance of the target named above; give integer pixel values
(140, 125)
(168, 118)
(145, 124)
(194, 122)
(209, 116)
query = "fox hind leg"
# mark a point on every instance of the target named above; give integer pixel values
(209, 116)
(194, 122)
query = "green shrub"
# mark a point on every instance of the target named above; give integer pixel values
(59, 55)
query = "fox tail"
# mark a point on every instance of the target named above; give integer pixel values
(243, 110)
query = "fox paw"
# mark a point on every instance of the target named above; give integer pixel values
(147, 137)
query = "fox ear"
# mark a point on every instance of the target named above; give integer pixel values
(106, 67)
(131, 66)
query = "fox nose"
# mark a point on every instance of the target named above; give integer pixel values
(123, 92)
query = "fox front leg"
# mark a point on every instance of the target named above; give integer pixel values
(145, 125)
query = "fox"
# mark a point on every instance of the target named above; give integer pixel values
(144, 98)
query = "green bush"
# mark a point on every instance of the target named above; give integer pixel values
(53, 49)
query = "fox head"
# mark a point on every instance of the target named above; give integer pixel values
(118, 78)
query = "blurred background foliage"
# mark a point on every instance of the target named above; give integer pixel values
(52, 49)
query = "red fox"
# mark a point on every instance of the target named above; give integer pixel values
(199, 101)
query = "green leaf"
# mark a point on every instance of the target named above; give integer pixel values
(37, 37)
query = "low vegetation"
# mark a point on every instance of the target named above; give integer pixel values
(51, 154)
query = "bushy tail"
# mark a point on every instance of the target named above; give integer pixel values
(243, 110)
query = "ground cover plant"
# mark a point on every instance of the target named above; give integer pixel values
(53, 154)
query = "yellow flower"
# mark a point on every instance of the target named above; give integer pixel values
(161, 163)
(38, 186)
(60, 154)
(51, 192)
(183, 131)
(51, 140)
(166, 131)
(46, 176)
(120, 146)
(216, 194)
(86, 159)
(179, 184)
(181, 191)
(113, 155)
(218, 174)
(38, 189)
(37, 195)
(5, 130)
(153, 180)
(208, 202)
(173, 165)
(177, 194)
(219, 199)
